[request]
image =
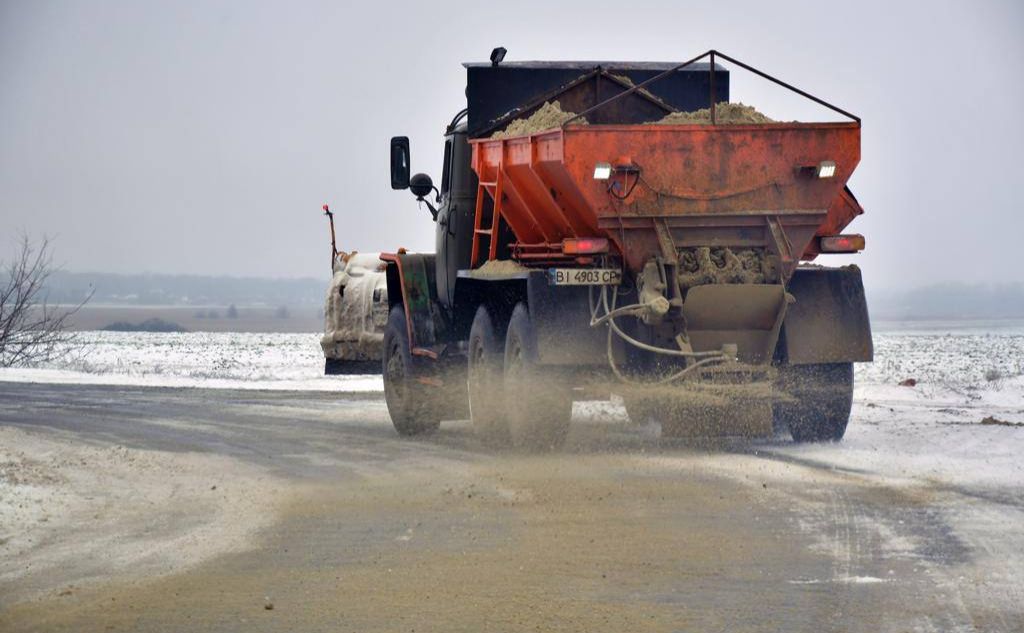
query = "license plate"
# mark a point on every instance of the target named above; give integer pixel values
(584, 276)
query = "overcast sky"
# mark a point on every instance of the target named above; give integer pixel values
(202, 137)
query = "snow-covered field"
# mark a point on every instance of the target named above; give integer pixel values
(953, 362)
(215, 360)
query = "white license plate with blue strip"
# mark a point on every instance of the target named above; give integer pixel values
(584, 276)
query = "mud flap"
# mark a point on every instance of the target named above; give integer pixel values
(410, 279)
(561, 317)
(747, 315)
(829, 322)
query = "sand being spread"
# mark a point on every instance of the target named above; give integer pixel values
(725, 114)
(548, 116)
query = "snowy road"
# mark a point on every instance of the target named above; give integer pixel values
(911, 524)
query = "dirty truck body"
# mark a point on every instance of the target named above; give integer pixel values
(355, 314)
(666, 264)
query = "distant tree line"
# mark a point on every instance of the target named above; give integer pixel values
(950, 301)
(149, 325)
(155, 289)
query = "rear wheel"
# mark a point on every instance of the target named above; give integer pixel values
(410, 403)
(485, 380)
(822, 396)
(538, 405)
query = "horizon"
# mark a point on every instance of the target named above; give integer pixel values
(876, 288)
(935, 300)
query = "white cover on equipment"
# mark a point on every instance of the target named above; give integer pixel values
(356, 309)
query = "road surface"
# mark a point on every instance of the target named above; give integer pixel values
(356, 529)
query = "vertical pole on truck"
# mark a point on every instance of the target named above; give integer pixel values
(334, 247)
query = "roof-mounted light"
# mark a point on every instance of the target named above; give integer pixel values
(826, 169)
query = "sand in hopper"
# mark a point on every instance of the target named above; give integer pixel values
(629, 82)
(548, 116)
(725, 114)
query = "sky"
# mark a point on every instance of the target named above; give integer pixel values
(203, 137)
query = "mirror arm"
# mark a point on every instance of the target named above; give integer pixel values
(433, 211)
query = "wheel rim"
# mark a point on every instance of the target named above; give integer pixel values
(476, 380)
(476, 363)
(516, 406)
(515, 367)
(395, 374)
(513, 374)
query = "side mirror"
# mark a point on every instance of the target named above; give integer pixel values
(421, 185)
(400, 162)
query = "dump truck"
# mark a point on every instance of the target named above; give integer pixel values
(628, 247)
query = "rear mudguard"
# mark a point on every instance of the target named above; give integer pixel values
(829, 322)
(411, 284)
(561, 320)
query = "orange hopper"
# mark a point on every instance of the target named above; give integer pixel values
(668, 187)
(696, 185)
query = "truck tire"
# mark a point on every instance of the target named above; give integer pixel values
(538, 406)
(822, 397)
(485, 379)
(410, 403)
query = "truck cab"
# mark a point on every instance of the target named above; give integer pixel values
(456, 205)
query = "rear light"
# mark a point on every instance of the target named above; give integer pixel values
(584, 245)
(841, 243)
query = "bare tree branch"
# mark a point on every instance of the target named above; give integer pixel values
(32, 330)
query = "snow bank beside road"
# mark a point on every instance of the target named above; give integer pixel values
(81, 512)
(934, 433)
(922, 441)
